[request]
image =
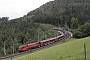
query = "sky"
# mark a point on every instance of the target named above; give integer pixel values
(17, 8)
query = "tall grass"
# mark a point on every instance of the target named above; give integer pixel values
(71, 50)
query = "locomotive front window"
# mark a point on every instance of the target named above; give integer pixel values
(21, 46)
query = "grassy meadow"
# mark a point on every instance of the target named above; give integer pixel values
(73, 49)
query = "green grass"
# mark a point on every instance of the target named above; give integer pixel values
(70, 50)
(49, 26)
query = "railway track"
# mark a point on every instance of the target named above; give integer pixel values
(11, 56)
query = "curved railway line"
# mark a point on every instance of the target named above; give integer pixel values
(63, 39)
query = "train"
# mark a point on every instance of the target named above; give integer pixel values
(42, 43)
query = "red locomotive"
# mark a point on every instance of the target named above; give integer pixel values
(41, 43)
(28, 46)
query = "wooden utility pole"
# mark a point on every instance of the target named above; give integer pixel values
(85, 51)
(38, 37)
(38, 31)
(4, 48)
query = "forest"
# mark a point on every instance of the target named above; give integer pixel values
(14, 33)
(71, 15)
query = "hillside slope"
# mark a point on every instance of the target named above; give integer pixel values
(70, 14)
(61, 11)
(70, 50)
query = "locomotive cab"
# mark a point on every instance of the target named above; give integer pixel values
(22, 48)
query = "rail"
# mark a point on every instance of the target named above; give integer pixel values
(63, 39)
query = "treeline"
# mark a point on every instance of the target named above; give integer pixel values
(14, 33)
(82, 31)
(73, 13)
